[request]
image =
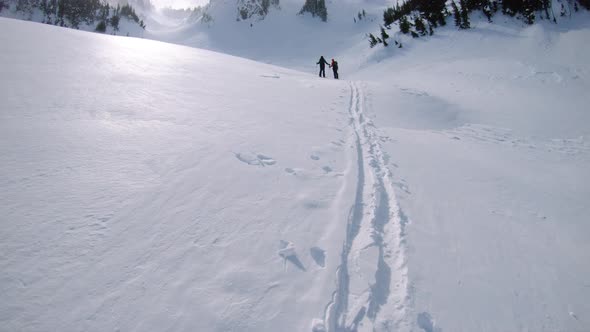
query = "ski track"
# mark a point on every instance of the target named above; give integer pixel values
(371, 283)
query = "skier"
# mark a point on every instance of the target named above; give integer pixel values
(334, 67)
(323, 64)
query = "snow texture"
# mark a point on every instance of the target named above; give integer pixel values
(440, 187)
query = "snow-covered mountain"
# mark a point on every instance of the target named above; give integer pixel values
(442, 186)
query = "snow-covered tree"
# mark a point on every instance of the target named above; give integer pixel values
(255, 8)
(384, 36)
(316, 8)
(465, 24)
(404, 25)
(419, 25)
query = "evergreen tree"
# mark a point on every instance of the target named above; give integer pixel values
(585, 4)
(384, 36)
(115, 22)
(404, 25)
(265, 5)
(420, 26)
(512, 7)
(456, 14)
(529, 11)
(487, 10)
(66, 12)
(372, 40)
(322, 10)
(316, 8)
(388, 17)
(101, 27)
(464, 15)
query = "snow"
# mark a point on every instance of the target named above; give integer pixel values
(138, 191)
(126, 27)
(489, 153)
(439, 187)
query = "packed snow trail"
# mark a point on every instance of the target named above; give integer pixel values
(371, 292)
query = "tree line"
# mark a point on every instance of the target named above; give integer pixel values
(421, 17)
(72, 13)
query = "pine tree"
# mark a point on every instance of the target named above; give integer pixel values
(487, 10)
(529, 11)
(512, 7)
(419, 25)
(372, 40)
(115, 22)
(384, 36)
(464, 15)
(101, 27)
(322, 10)
(562, 10)
(457, 15)
(265, 4)
(404, 25)
(316, 8)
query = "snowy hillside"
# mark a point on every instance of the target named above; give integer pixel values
(439, 187)
(145, 192)
(487, 136)
(88, 15)
(281, 37)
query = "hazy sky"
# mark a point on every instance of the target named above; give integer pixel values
(179, 3)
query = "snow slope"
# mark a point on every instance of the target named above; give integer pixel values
(487, 134)
(126, 27)
(147, 186)
(440, 187)
(283, 37)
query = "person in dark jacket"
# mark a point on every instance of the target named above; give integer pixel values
(323, 64)
(334, 67)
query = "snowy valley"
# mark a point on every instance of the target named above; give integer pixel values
(200, 176)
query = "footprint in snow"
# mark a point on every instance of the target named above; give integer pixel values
(271, 76)
(319, 256)
(287, 252)
(426, 323)
(314, 157)
(255, 159)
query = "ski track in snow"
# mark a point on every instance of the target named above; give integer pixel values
(371, 285)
